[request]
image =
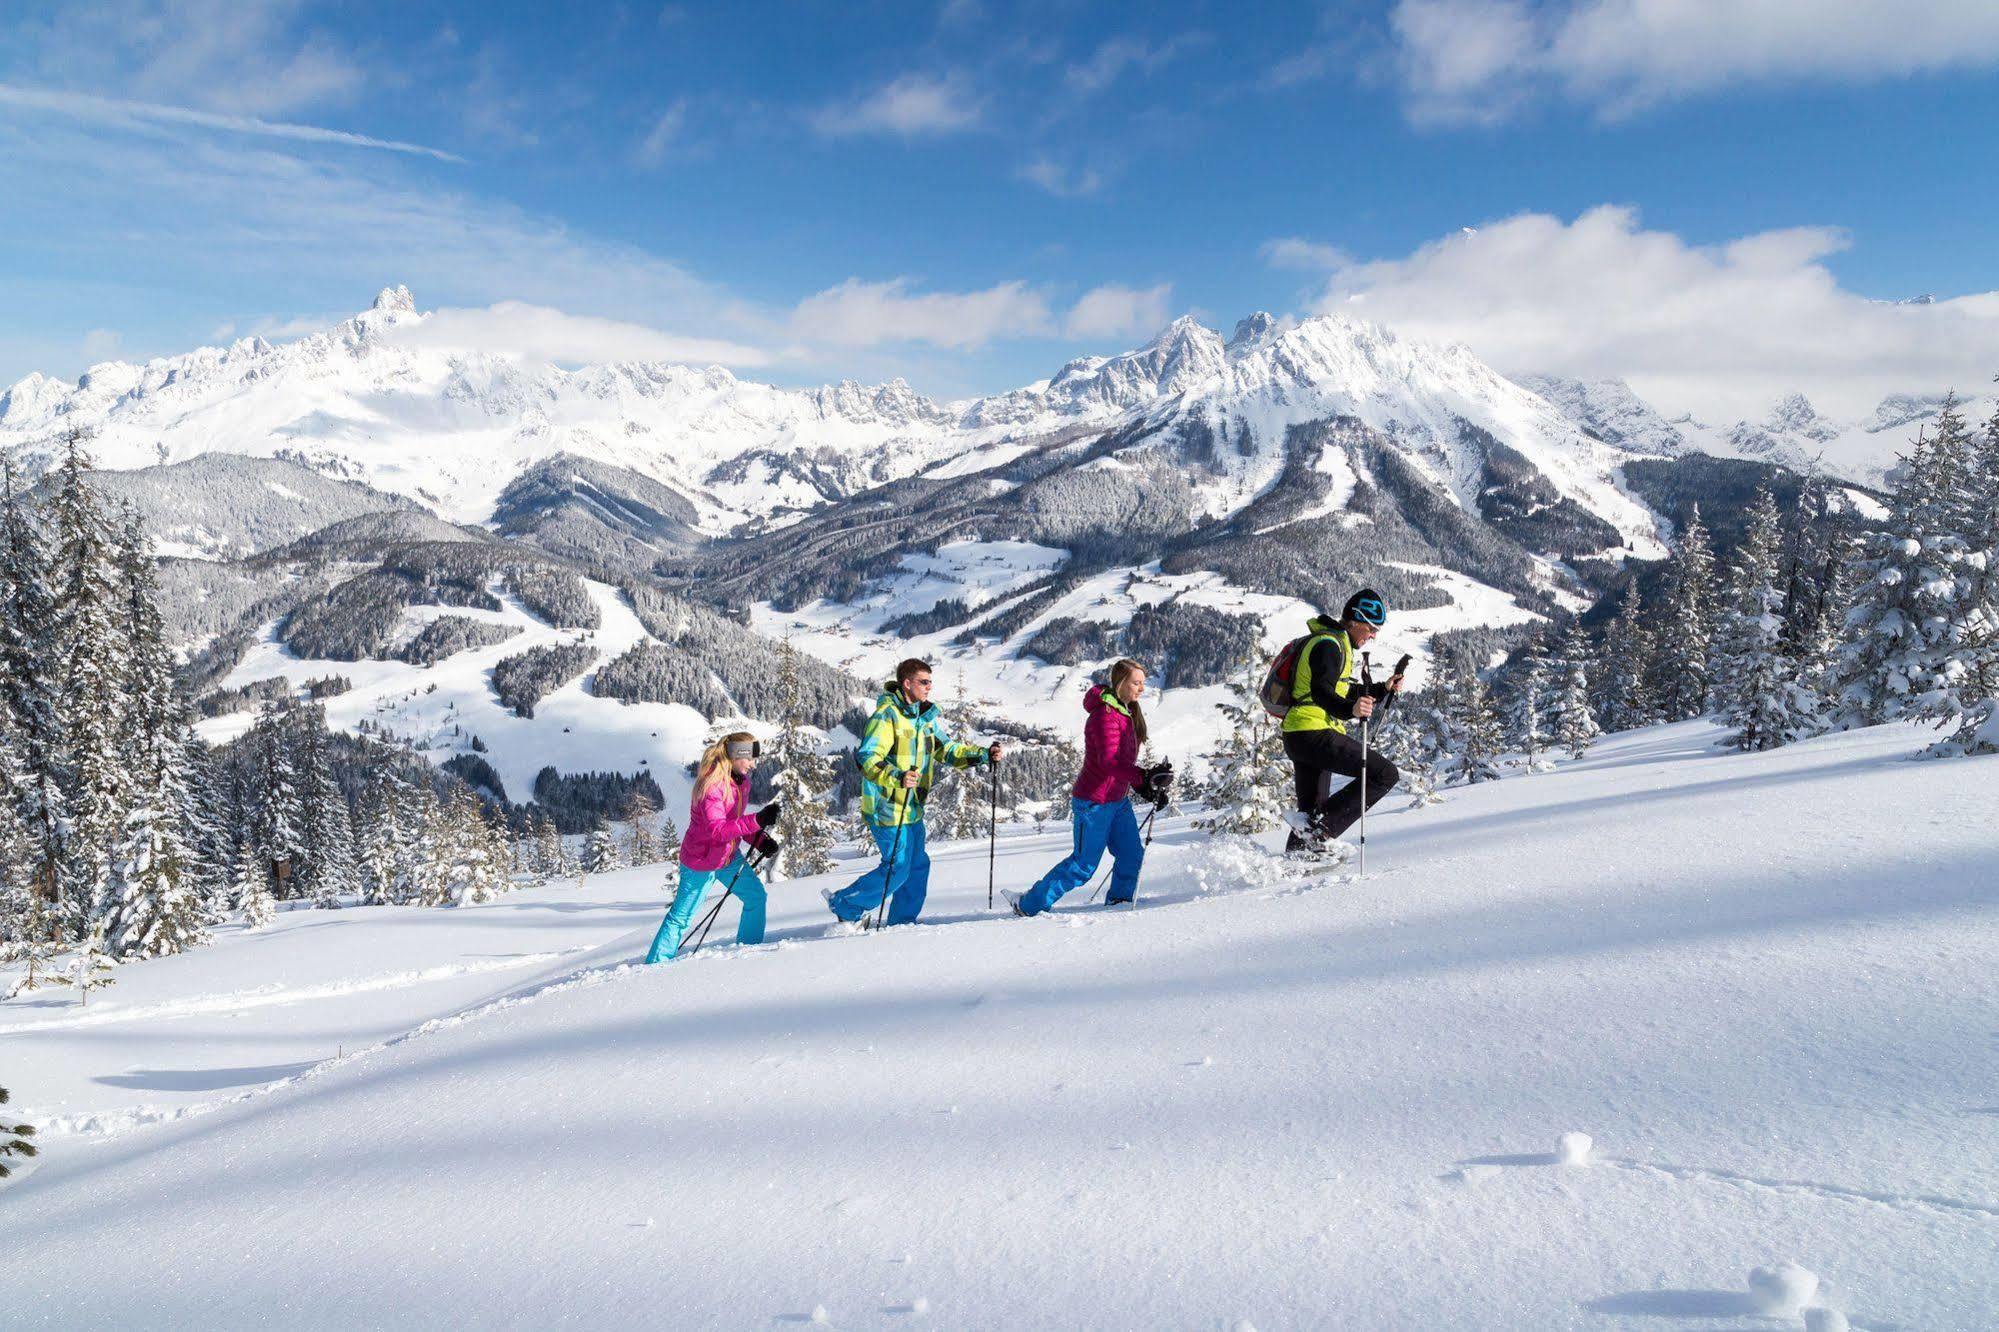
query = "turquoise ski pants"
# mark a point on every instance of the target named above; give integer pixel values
(739, 878)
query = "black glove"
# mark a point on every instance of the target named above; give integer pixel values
(769, 814)
(765, 845)
(1158, 783)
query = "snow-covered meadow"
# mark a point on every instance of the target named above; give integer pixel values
(1762, 985)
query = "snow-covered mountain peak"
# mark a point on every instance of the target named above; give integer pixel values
(1252, 329)
(395, 300)
(1609, 410)
(1795, 414)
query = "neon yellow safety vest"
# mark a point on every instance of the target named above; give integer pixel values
(1304, 714)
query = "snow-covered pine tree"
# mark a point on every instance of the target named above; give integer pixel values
(1683, 676)
(88, 654)
(154, 908)
(93, 965)
(1575, 726)
(1905, 650)
(1757, 690)
(1623, 689)
(1412, 738)
(1474, 725)
(1061, 789)
(416, 820)
(253, 888)
(326, 823)
(804, 780)
(279, 823)
(37, 950)
(440, 851)
(205, 815)
(1975, 604)
(641, 842)
(1248, 783)
(859, 832)
(475, 870)
(383, 852)
(1526, 707)
(28, 680)
(601, 856)
(14, 1144)
(669, 842)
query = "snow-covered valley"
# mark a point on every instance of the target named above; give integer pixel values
(1764, 985)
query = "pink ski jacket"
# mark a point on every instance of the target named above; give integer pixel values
(1110, 750)
(715, 823)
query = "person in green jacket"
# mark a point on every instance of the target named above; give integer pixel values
(898, 757)
(1328, 702)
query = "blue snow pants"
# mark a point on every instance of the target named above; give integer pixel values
(1097, 826)
(903, 876)
(687, 900)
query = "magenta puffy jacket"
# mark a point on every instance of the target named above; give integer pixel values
(715, 823)
(1110, 751)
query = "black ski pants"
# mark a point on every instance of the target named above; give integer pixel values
(1319, 756)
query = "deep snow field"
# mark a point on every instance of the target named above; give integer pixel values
(1766, 986)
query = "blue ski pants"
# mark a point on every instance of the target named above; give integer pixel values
(1097, 827)
(739, 878)
(903, 876)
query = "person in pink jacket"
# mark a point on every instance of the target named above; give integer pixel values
(1100, 802)
(716, 823)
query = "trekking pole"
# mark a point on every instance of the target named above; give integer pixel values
(1145, 830)
(992, 834)
(894, 847)
(1365, 684)
(728, 890)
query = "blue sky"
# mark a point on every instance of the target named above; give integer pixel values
(1706, 198)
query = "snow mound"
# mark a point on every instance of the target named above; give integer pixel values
(1573, 1149)
(1782, 1291)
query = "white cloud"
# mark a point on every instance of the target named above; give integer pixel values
(538, 333)
(663, 136)
(1110, 60)
(315, 231)
(861, 314)
(84, 106)
(1478, 61)
(219, 55)
(1113, 312)
(101, 344)
(913, 105)
(1060, 181)
(1296, 252)
(1718, 330)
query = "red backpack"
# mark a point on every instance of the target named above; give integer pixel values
(1282, 676)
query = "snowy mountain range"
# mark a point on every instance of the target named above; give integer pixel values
(372, 400)
(1793, 434)
(1180, 501)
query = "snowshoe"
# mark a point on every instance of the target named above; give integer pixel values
(1013, 901)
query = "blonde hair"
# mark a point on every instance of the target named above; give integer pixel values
(715, 761)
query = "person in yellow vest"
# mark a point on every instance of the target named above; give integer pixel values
(1322, 726)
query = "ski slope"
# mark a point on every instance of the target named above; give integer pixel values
(1763, 985)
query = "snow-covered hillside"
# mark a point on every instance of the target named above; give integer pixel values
(1003, 678)
(443, 706)
(1258, 1100)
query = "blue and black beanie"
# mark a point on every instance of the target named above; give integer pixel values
(1367, 607)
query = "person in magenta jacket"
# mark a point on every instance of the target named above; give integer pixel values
(716, 824)
(1100, 802)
